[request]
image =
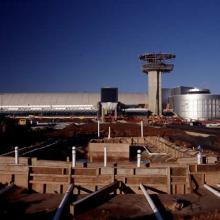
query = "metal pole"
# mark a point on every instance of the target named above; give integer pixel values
(98, 129)
(138, 158)
(151, 203)
(73, 156)
(142, 129)
(105, 156)
(63, 202)
(215, 192)
(16, 156)
(109, 132)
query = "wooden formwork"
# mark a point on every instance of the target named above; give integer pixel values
(166, 178)
(116, 151)
(14, 173)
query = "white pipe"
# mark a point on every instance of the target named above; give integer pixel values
(109, 132)
(199, 158)
(105, 156)
(142, 129)
(73, 156)
(16, 156)
(151, 203)
(212, 190)
(63, 203)
(98, 129)
(138, 158)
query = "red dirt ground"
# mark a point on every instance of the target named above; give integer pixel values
(201, 206)
(209, 144)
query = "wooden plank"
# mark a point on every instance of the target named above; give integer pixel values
(38, 187)
(5, 178)
(107, 171)
(92, 179)
(52, 188)
(49, 170)
(178, 171)
(85, 171)
(21, 180)
(51, 178)
(177, 179)
(151, 171)
(46, 182)
(11, 160)
(197, 179)
(83, 179)
(180, 189)
(125, 171)
(121, 148)
(212, 178)
(54, 175)
(147, 180)
(13, 168)
(208, 167)
(51, 163)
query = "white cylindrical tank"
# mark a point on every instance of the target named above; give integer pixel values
(196, 106)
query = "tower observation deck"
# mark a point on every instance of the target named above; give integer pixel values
(154, 65)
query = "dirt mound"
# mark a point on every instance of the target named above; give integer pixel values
(175, 135)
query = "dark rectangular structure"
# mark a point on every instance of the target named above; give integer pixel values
(109, 94)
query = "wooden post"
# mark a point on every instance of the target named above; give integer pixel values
(168, 181)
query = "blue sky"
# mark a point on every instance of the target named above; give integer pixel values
(83, 45)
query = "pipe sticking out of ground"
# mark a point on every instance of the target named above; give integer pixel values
(151, 203)
(63, 203)
(210, 189)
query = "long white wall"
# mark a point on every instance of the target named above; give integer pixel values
(56, 101)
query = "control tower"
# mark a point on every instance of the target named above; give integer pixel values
(154, 65)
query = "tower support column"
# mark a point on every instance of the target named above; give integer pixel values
(155, 92)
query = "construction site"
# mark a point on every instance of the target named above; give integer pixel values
(113, 156)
